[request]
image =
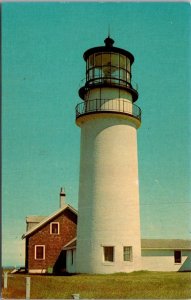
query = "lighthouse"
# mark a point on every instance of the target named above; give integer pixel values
(108, 234)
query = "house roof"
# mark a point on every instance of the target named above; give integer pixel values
(49, 218)
(165, 244)
(35, 219)
(149, 244)
(70, 245)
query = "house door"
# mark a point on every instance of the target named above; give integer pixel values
(60, 265)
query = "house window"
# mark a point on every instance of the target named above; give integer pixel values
(177, 256)
(127, 253)
(40, 252)
(54, 228)
(108, 253)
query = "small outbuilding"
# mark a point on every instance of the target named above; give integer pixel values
(166, 254)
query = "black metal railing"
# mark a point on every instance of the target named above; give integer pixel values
(108, 105)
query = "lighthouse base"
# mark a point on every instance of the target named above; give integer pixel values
(107, 258)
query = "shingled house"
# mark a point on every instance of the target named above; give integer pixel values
(46, 236)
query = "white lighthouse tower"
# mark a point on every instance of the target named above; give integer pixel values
(108, 236)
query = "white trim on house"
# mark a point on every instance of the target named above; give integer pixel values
(35, 252)
(37, 271)
(49, 218)
(58, 228)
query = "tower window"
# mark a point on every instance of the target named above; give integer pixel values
(177, 256)
(108, 253)
(54, 228)
(39, 252)
(127, 253)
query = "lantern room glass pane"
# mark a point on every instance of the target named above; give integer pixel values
(97, 73)
(115, 72)
(122, 74)
(115, 59)
(91, 61)
(97, 60)
(106, 71)
(122, 60)
(128, 65)
(90, 74)
(106, 59)
(128, 77)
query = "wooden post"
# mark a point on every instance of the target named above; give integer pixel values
(28, 288)
(5, 279)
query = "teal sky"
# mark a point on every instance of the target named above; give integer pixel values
(42, 49)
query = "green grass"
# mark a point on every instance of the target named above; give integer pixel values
(136, 285)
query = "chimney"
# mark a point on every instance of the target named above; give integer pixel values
(62, 198)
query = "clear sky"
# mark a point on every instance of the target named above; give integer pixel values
(43, 68)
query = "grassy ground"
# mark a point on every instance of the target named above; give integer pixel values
(136, 285)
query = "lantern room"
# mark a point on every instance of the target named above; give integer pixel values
(108, 66)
